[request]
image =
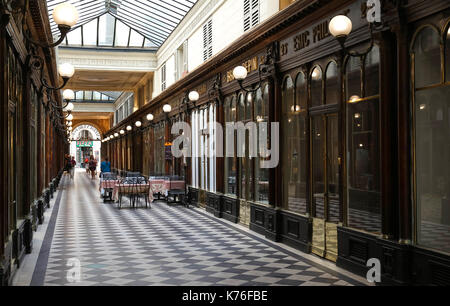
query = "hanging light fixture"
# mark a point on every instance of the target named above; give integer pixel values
(150, 117)
(167, 108)
(138, 123)
(122, 132)
(129, 128)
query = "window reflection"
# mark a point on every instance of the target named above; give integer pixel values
(447, 55)
(427, 55)
(433, 167)
(230, 162)
(316, 86)
(332, 84)
(353, 78)
(294, 147)
(261, 174)
(363, 147)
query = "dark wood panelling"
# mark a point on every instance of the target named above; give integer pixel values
(230, 209)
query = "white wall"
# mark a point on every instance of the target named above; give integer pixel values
(228, 25)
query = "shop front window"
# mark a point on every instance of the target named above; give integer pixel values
(332, 91)
(447, 54)
(294, 100)
(431, 140)
(261, 174)
(158, 153)
(363, 143)
(230, 161)
(316, 86)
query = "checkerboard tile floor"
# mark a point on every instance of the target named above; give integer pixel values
(166, 246)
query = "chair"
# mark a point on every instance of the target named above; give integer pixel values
(133, 174)
(142, 190)
(175, 192)
(130, 181)
(108, 176)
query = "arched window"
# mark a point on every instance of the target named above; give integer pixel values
(332, 92)
(316, 86)
(301, 91)
(447, 53)
(294, 145)
(431, 137)
(261, 115)
(230, 160)
(248, 106)
(353, 78)
(241, 106)
(363, 142)
(427, 57)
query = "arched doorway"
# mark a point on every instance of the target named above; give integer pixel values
(86, 141)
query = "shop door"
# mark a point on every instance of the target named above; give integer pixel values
(326, 208)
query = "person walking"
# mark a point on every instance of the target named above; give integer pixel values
(86, 164)
(72, 170)
(105, 166)
(67, 164)
(92, 166)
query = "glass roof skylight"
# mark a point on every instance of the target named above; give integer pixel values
(96, 96)
(122, 23)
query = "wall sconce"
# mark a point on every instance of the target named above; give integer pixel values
(116, 135)
(150, 117)
(65, 16)
(129, 128)
(193, 96)
(240, 72)
(340, 27)
(167, 108)
(138, 123)
(122, 132)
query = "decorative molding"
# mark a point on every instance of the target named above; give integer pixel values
(101, 60)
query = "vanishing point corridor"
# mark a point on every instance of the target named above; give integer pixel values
(163, 245)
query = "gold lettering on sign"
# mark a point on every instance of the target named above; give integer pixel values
(250, 65)
(202, 89)
(320, 31)
(301, 41)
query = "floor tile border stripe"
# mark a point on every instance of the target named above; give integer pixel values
(278, 248)
(41, 264)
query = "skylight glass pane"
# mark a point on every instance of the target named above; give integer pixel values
(88, 95)
(148, 43)
(106, 30)
(105, 98)
(90, 33)
(96, 96)
(136, 39)
(122, 33)
(79, 95)
(74, 37)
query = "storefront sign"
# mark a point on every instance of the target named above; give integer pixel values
(251, 65)
(84, 144)
(319, 33)
(94, 132)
